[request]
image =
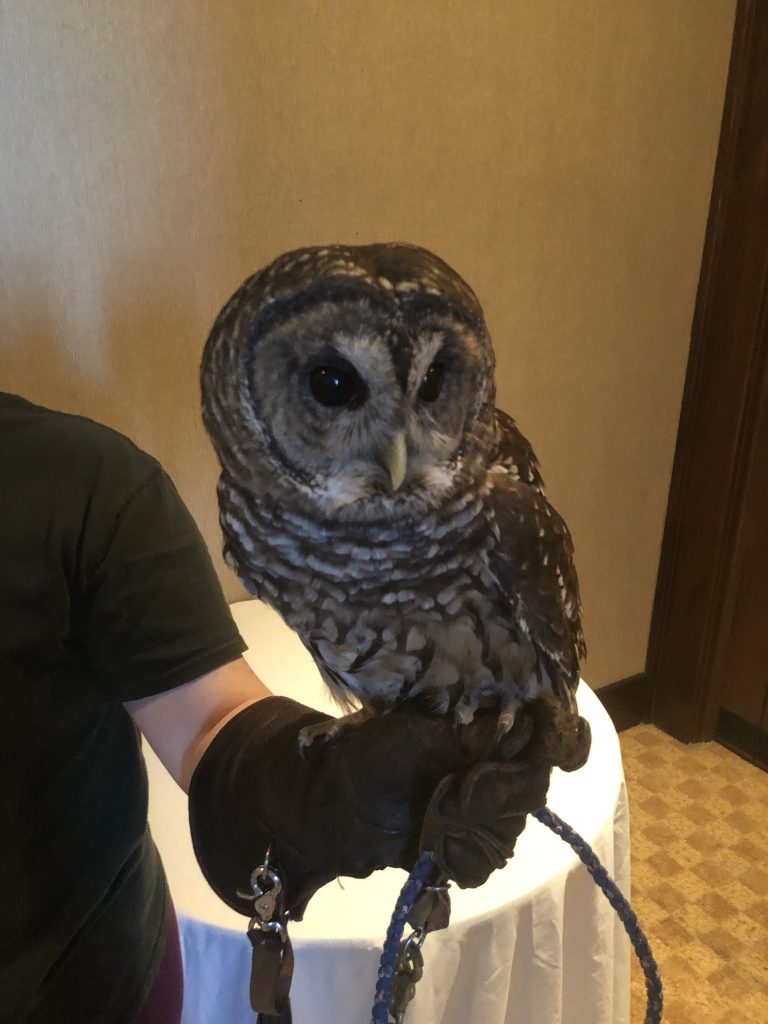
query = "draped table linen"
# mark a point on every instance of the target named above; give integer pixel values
(537, 944)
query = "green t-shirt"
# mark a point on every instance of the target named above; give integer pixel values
(107, 594)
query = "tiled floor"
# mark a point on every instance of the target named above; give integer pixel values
(699, 877)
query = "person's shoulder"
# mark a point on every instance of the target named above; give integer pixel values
(71, 443)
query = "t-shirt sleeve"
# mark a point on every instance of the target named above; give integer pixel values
(155, 613)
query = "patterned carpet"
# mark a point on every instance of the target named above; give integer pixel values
(699, 877)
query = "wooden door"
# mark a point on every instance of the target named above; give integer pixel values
(707, 669)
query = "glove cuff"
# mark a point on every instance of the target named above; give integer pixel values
(247, 782)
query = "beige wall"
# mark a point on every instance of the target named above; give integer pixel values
(559, 154)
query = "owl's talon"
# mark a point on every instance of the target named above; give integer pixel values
(464, 712)
(505, 721)
(463, 715)
(313, 740)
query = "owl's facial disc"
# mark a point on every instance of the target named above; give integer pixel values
(368, 422)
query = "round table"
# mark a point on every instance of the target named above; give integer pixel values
(537, 944)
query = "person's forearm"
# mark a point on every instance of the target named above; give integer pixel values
(180, 724)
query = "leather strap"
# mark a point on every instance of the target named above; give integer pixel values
(271, 974)
(431, 910)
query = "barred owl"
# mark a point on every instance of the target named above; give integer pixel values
(374, 496)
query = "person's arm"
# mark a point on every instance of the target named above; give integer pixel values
(179, 724)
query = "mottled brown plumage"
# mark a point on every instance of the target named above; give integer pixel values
(373, 495)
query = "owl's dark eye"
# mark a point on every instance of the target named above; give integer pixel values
(335, 386)
(432, 383)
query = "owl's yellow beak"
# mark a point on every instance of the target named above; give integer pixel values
(396, 460)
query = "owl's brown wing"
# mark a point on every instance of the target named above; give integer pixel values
(533, 560)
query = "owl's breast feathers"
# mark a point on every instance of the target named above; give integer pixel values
(479, 593)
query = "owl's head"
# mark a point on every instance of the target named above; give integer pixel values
(360, 377)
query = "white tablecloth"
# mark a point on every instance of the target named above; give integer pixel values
(537, 944)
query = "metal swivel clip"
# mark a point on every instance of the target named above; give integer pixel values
(408, 971)
(266, 887)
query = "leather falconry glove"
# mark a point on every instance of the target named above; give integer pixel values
(375, 798)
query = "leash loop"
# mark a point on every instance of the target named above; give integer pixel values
(395, 952)
(627, 916)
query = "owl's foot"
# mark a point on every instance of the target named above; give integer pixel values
(314, 738)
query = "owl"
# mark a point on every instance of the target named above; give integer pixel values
(373, 495)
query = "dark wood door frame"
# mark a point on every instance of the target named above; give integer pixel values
(728, 359)
(693, 609)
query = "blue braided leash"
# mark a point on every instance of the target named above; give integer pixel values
(627, 916)
(414, 883)
(585, 853)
